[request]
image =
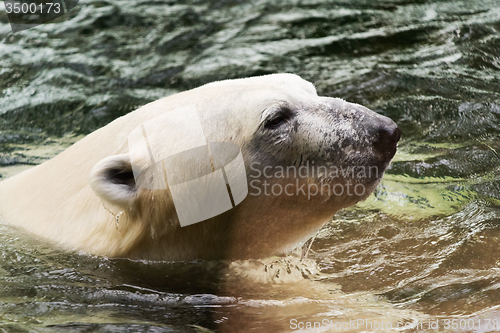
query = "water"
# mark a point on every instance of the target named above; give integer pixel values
(424, 247)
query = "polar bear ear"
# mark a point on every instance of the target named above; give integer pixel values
(112, 179)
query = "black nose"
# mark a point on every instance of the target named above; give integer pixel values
(388, 136)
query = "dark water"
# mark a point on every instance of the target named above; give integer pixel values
(425, 246)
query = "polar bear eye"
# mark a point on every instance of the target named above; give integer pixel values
(275, 122)
(279, 118)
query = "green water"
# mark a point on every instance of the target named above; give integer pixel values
(425, 245)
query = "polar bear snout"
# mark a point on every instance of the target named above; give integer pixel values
(388, 136)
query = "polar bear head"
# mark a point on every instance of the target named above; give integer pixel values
(268, 160)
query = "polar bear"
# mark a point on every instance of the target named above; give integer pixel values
(304, 158)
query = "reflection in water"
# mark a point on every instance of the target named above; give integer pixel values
(424, 246)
